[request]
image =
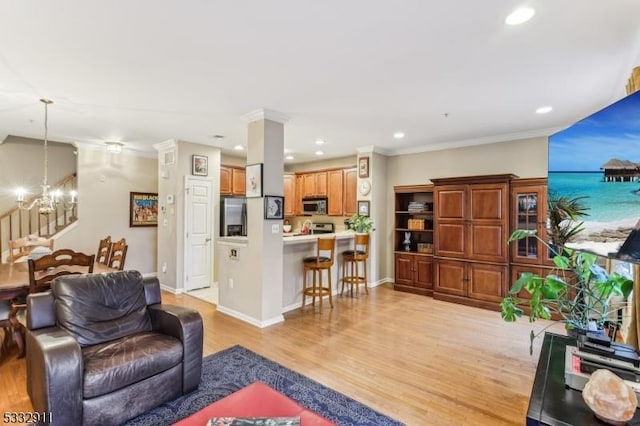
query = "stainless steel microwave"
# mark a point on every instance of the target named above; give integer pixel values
(314, 206)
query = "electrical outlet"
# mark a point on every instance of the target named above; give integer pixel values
(230, 282)
(164, 268)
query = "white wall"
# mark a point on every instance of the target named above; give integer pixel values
(104, 183)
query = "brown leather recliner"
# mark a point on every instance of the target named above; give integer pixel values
(102, 349)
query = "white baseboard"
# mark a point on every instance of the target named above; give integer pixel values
(246, 318)
(171, 289)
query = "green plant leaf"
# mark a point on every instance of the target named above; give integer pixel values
(520, 234)
(509, 309)
(555, 285)
(562, 262)
(524, 278)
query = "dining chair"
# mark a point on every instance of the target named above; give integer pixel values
(20, 248)
(118, 254)
(42, 272)
(104, 250)
(61, 262)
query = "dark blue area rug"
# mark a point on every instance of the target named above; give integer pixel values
(232, 369)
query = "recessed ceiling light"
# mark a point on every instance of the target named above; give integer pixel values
(239, 148)
(289, 157)
(544, 110)
(319, 142)
(520, 16)
(398, 135)
(319, 153)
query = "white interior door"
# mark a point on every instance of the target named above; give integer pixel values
(198, 245)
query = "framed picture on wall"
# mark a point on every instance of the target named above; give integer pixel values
(363, 207)
(254, 180)
(143, 209)
(273, 207)
(199, 165)
(363, 167)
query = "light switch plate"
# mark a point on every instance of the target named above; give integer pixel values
(275, 228)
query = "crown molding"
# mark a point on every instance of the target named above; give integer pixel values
(372, 149)
(266, 114)
(478, 141)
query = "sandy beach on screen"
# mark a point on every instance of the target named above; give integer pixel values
(603, 237)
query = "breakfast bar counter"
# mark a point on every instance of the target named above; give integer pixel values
(295, 249)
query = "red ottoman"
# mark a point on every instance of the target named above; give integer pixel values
(255, 400)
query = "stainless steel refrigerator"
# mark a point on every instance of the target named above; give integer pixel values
(233, 216)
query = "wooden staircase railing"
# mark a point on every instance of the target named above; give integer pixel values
(17, 223)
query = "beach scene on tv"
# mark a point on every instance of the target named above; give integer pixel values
(597, 162)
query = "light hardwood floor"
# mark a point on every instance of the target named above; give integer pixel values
(418, 360)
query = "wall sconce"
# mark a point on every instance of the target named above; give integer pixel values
(114, 147)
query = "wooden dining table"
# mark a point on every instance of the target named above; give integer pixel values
(14, 277)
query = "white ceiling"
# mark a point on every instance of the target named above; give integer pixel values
(350, 72)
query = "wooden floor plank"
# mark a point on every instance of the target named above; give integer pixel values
(416, 359)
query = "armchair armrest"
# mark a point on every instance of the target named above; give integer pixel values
(54, 375)
(186, 325)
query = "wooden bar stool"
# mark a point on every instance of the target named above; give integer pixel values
(316, 264)
(351, 259)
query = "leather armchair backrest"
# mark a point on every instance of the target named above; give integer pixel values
(97, 308)
(40, 312)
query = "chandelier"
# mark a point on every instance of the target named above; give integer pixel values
(49, 200)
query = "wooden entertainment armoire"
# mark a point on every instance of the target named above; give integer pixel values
(467, 222)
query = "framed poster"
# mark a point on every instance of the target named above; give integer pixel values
(273, 207)
(254, 180)
(363, 167)
(199, 165)
(143, 209)
(363, 208)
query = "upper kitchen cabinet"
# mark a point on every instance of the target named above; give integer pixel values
(335, 195)
(299, 191)
(349, 196)
(232, 181)
(289, 194)
(315, 184)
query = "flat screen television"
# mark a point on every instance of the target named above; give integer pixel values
(599, 158)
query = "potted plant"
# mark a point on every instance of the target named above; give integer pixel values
(360, 224)
(577, 290)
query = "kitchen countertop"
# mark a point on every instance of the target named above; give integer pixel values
(293, 238)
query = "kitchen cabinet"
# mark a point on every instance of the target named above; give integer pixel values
(335, 192)
(232, 180)
(471, 255)
(413, 217)
(299, 190)
(315, 184)
(238, 182)
(289, 194)
(349, 192)
(414, 273)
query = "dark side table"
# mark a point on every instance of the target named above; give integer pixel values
(551, 402)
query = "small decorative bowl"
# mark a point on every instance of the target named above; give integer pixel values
(286, 228)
